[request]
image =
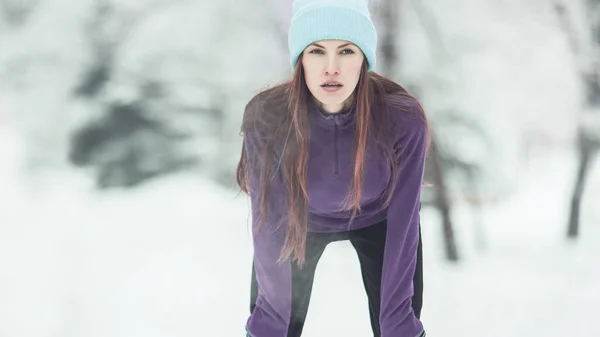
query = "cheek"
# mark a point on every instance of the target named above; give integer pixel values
(358, 65)
(355, 71)
(309, 76)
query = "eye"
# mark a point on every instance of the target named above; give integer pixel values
(347, 52)
(316, 51)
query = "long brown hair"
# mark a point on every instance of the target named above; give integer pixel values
(280, 114)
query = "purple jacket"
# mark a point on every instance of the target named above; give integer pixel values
(328, 178)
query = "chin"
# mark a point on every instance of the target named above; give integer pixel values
(337, 98)
(331, 101)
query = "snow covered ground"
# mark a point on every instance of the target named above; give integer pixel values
(173, 259)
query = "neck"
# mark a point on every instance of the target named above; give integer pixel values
(336, 108)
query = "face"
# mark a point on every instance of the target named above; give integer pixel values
(332, 70)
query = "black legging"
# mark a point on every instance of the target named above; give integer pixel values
(369, 244)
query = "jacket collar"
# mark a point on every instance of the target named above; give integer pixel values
(327, 119)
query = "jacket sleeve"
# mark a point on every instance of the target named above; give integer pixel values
(271, 314)
(397, 318)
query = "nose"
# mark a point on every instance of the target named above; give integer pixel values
(332, 67)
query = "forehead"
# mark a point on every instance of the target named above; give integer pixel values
(332, 43)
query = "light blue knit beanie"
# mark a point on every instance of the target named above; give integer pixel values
(315, 20)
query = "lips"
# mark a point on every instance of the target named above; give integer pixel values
(332, 84)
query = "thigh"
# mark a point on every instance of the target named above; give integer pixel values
(301, 277)
(369, 243)
(302, 284)
(302, 281)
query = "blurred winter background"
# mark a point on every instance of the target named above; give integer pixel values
(119, 138)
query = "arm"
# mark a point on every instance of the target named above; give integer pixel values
(397, 317)
(271, 315)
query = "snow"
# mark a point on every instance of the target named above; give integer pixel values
(505, 68)
(174, 256)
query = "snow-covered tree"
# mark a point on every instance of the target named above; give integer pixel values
(203, 71)
(40, 60)
(182, 65)
(580, 21)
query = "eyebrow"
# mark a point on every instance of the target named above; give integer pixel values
(344, 45)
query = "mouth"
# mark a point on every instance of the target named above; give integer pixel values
(332, 84)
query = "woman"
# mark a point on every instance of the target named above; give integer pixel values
(336, 153)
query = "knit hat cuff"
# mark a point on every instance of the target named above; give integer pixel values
(336, 23)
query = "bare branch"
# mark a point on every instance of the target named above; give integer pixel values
(430, 26)
(389, 19)
(567, 26)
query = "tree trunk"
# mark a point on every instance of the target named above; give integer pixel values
(585, 154)
(388, 48)
(442, 203)
(586, 50)
(588, 147)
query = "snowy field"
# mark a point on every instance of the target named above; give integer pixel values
(173, 258)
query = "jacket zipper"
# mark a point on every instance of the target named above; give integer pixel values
(335, 151)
